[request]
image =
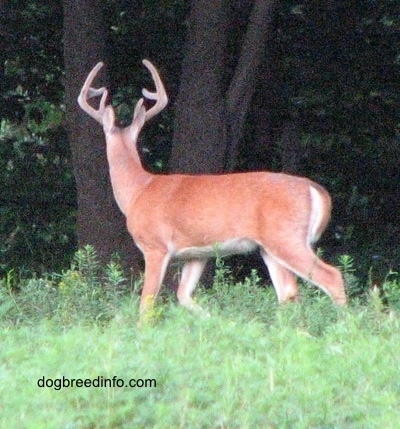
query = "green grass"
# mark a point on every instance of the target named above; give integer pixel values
(251, 364)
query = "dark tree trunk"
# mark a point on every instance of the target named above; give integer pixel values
(265, 117)
(267, 112)
(211, 113)
(99, 221)
(247, 73)
(199, 141)
(290, 149)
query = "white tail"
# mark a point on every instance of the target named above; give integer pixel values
(189, 217)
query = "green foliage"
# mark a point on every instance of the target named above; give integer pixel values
(37, 202)
(304, 365)
(391, 290)
(85, 293)
(223, 273)
(354, 286)
(37, 211)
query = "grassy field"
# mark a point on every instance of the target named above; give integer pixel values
(251, 364)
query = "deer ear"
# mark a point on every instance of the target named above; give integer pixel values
(108, 119)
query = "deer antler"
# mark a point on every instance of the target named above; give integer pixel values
(88, 92)
(159, 96)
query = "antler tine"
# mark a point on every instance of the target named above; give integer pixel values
(88, 92)
(138, 106)
(160, 95)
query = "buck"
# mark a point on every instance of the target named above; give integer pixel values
(190, 217)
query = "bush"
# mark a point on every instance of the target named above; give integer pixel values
(85, 293)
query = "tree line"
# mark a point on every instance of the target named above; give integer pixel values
(309, 88)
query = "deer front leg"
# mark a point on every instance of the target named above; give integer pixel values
(156, 263)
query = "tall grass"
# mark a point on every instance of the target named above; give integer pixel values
(251, 364)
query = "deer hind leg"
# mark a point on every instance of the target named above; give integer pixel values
(284, 280)
(191, 273)
(302, 261)
(155, 266)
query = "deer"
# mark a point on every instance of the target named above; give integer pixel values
(193, 217)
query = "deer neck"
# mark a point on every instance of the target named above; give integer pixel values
(128, 177)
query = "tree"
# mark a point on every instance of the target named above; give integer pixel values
(37, 194)
(99, 221)
(217, 85)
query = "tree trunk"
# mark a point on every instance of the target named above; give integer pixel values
(289, 148)
(199, 141)
(247, 73)
(209, 120)
(99, 221)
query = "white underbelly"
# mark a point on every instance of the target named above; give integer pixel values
(233, 246)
